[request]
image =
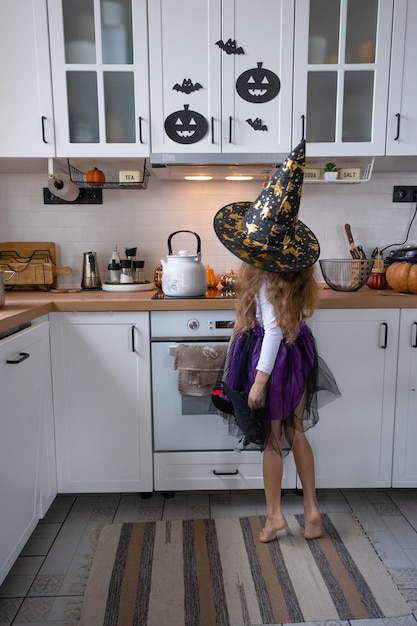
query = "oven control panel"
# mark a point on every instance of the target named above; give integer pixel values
(188, 324)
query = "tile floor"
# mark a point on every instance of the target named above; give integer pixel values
(45, 586)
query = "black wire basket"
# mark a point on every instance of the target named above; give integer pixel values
(346, 274)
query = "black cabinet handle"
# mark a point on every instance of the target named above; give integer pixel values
(212, 129)
(216, 473)
(397, 136)
(303, 127)
(132, 331)
(414, 341)
(22, 357)
(385, 338)
(140, 130)
(230, 129)
(43, 119)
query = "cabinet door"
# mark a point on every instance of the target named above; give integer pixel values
(47, 485)
(185, 75)
(405, 437)
(257, 84)
(219, 84)
(102, 406)
(26, 123)
(402, 115)
(353, 440)
(341, 65)
(100, 77)
(23, 359)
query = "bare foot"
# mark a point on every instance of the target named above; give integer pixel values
(272, 526)
(312, 524)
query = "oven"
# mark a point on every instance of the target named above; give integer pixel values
(192, 445)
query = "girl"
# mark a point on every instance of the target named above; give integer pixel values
(272, 355)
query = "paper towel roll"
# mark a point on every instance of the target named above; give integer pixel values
(64, 189)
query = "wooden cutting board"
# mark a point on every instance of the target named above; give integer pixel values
(33, 262)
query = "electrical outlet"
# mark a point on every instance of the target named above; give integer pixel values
(86, 196)
(404, 193)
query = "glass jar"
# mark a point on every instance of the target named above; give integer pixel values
(126, 271)
(114, 273)
(138, 271)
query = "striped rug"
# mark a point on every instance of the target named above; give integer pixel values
(215, 572)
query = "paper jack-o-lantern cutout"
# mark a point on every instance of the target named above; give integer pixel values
(258, 85)
(186, 126)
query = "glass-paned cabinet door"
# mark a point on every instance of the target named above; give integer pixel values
(100, 77)
(342, 52)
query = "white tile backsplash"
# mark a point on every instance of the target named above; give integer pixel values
(145, 218)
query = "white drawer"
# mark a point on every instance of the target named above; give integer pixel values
(178, 471)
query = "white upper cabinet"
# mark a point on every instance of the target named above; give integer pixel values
(402, 110)
(26, 121)
(221, 76)
(100, 77)
(341, 72)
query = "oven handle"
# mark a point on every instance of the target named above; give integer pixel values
(216, 473)
(172, 349)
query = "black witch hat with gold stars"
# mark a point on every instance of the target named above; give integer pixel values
(267, 233)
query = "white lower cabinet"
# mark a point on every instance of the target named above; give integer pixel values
(102, 401)
(27, 484)
(405, 436)
(353, 440)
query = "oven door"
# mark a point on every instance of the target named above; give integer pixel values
(183, 422)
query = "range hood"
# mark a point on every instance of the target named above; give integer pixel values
(217, 166)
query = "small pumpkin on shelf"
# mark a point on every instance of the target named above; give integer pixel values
(402, 276)
(95, 177)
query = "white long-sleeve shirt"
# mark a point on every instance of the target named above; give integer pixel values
(265, 317)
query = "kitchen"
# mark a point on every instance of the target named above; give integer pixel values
(146, 217)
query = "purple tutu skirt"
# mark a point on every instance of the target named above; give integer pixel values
(298, 374)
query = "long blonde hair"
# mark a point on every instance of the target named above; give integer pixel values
(293, 296)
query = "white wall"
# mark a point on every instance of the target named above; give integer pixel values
(145, 218)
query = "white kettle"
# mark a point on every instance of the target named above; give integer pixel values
(183, 274)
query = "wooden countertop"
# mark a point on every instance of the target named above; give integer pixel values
(24, 306)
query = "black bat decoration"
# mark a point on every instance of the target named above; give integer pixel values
(187, 86)
(257, 124)
(230, 46)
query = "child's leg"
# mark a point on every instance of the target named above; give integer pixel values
(272, 475)
(304, 461)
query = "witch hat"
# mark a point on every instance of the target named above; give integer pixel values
(267, 233)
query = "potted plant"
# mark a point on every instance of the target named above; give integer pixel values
(330, 171)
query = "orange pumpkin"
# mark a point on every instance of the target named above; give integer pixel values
(95, 177)
(402, 276)
(211, 277)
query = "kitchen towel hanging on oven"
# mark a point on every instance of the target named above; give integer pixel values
(199, 367)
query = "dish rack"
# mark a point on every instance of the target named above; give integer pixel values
(79, 178)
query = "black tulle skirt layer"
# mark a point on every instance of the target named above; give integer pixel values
(300, 383)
